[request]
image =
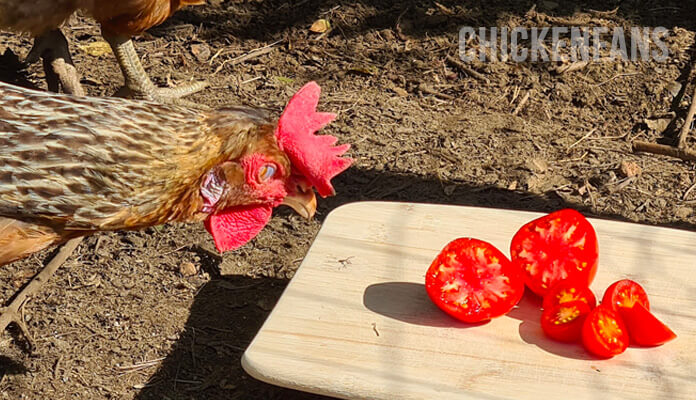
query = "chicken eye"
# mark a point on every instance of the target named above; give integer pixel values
(266, 172)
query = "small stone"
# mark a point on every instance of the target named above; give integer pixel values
(188, 269)
(265, 303)
(201, 51)
(388, 35)
(683, 212)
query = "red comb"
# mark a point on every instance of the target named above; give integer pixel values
(314, 156)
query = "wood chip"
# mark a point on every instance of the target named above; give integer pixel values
(630, 169)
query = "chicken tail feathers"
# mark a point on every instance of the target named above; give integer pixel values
(19, 239)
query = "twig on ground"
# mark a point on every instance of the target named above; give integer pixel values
(665, 150)
(593, 130)
(467, 70)
(522, 103)
(681, 139)
(575, 66)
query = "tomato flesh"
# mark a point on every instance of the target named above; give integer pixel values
(644, 328)
(565, 292)
(473, 281)
(624, 294)
(564, 322)
(559, 246)
(604, 333)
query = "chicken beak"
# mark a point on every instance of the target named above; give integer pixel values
(302, 200)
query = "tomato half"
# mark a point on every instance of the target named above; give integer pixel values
(604, 333)
(559, 246)
(563, 322)
(644, 328)
(624, 294)
(473, 281)
(565, 292)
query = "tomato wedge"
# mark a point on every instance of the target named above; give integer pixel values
(644, 328)
(559, 246)
(563, 322)
(604, 333)
(624, 294)
(473, 281)
(565, 292)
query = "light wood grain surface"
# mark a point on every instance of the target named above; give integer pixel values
(355, 321)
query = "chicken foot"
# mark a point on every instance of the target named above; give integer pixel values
(680, 150)
(12, 312)
(52, 47)
(138, 83)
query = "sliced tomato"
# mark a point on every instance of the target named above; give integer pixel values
(559, 246)
(473, 281)
(604, 333)
(644, 328)
(624, 294)
(565, 292)
(563, 322)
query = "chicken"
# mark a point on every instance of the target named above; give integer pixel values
(72, 166)
(120, 20)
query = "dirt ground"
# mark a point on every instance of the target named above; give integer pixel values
(120, 321)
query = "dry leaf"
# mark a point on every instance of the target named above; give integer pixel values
(657, 124)
(95, 49)
(320, 26)
(683, 212)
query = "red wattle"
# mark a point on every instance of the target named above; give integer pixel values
(234, 227)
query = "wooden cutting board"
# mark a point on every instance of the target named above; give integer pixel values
(355, 321)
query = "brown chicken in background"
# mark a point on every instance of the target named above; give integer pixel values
(119, 19)
(71, 166)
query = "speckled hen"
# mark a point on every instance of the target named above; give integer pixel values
(74, 165)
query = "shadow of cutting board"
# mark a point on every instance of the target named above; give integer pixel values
(355, 321)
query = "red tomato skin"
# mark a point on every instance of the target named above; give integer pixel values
(569, 330)
(569, 267)
(566, 291)
(508, 279)
(623, 293)
(644, 329)
(598, 344)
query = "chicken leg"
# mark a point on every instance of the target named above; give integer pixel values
(680, 150)
(52, 47)
(12, 312)
(137, 82)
